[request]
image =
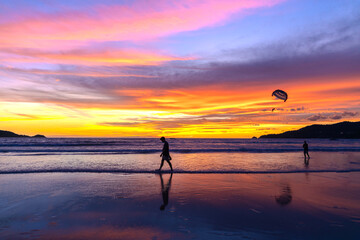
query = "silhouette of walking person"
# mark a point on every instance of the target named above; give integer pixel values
(165, 191)
(165, 154)
(306, 150)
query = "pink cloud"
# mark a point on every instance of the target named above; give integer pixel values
(81, 73)
(143, 20)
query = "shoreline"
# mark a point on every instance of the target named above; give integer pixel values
(205, 163)
(177, 171)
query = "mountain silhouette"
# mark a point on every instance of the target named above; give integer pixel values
(11, 134)
(332, 131)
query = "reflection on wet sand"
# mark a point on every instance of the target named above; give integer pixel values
(165, 191)
(306, 162)
(285, 197)
(203, 206)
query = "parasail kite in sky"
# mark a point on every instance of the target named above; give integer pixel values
(280, 94)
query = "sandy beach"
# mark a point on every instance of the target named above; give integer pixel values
(195, 206)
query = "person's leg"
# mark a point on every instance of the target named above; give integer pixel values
(162, 163)
(170, 165)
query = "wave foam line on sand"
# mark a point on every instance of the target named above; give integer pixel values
(27, 152)
(129, 171)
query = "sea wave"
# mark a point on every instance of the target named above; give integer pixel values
(76, 146)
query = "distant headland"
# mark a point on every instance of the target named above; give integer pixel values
(349, 130)
(11, 134)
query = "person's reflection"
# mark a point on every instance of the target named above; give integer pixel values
(285, 197)
(306, 162)
(165, 191)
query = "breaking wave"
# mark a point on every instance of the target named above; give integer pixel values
(75, 146)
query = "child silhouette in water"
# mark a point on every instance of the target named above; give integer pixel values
(165, 154)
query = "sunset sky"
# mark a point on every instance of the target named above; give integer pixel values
(187, 68)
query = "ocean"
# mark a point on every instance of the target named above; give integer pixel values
(141, 155)
(102, 188)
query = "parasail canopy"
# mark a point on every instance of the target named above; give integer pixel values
(280, 94)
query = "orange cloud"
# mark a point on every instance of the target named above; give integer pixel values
(82, 57)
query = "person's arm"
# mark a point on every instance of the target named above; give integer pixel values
(162, 152)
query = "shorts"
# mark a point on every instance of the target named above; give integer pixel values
(166, 157)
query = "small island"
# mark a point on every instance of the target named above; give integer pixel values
(11, 134)
(342, 130)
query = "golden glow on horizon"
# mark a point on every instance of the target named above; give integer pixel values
(181, 113)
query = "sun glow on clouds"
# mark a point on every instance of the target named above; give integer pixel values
(94, 71)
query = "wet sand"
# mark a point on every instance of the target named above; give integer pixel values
(186, 206)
